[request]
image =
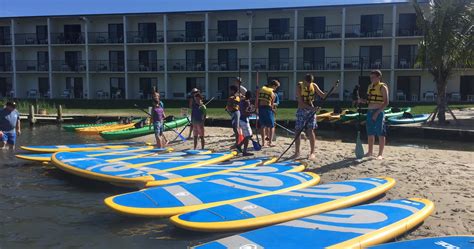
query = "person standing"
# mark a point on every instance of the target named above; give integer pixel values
(233, 109)
(377, 99)
(158, 116)
(245, 112)
(306, 92)
(241, 89)
(198, 117)
(190, 98)
(10, 126)
(266, 117)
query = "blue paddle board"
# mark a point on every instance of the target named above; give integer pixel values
(207, 192)
(79, 147)
(268, 210)
(354, 227)
(135, 171)
(446, 242)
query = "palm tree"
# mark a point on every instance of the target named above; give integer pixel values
(448, 42)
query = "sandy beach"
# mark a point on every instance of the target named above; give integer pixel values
(445, 177)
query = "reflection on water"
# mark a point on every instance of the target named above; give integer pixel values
(42, 207)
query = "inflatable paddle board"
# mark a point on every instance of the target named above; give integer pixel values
(446, 242)
(207, 192)
(134, 172)
(268, 210)
(355, 227)
(79, 147)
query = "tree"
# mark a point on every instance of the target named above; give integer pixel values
(448, 41)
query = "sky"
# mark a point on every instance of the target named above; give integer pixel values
(25, 8)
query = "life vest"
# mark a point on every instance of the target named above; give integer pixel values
(374, 93)
(307, 93)
(233, 103)
(265, 96)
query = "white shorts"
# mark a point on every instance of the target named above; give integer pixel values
(246, 129)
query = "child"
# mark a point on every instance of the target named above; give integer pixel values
(245, 111)
(190, 98)
(9, 125)
(198, 117)
(233, 109)
(158, 116)
(266, 116)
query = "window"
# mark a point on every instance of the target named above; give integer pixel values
(117, 87)
(364, 82)
(74, 87)
(73, 59)
(43, 86)
(314, 58)
(43, 60)
(116, 60)
(42, 34)
(407, 56)
(116, 33)
(277, 57)
(467, 87)
(227, 29)
(5, 86)
(195, 31)
(5, 61)
(314, 27)
(409, 86)
(72, 33)
(223, 84)
(371, 56)
(195, 60)
(279, 26)
(371, 24)
(5, 35)
(146, 87)
(195, 82)
(320, 82)
(147, 32)
(227, 59)
(407, 24)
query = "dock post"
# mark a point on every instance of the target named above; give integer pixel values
(60, 114)
(36, 106)
(31, 115)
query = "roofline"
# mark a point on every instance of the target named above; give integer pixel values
(204, 11)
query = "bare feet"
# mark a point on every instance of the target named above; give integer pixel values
(379, 157)
(271, 145)
(312, 157)
(368, 155)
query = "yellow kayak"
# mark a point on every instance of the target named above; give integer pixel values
(336, 116)
(322, 115)
(106, 128)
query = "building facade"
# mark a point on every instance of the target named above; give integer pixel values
(125, 56)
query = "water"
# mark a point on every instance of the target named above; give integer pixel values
(43, 207)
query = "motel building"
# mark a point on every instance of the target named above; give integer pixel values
(91, 52)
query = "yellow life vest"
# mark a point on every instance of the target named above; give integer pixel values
(265, 96)
(374, 93)
(233, 103)
(307, 93)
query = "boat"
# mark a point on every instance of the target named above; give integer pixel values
(138, 132)
(397, 112)
(113, 127)
(408, 118)
(73, 127)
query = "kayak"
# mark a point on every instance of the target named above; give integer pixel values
(336, 116)
(354, 115)
(322, 115)
(96, 130)
(419, 118)
(397, 112)
(73, 127)
(138, 132)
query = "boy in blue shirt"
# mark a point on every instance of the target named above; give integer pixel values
(9, 125)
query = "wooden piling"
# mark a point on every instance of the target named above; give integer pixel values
(31, 115)
(60, 114)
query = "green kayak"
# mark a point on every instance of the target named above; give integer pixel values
(146, 130)
(352, 115)
(397, 112)
(73, 127)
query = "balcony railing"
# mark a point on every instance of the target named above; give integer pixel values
(140, 66)
(32, 65)
(6, 68)
(105, 38)
(180, 36)
(145, 37)
(356, 62)
(68, 66)
(358, 31)
(106, 66)
(264, 34)
(406, 62)
(327, 63)
(265, 64)
(408, 31)
(5, 41)
(222, 65)
(67, 38)
(29, 39)
(240, 35)
(331, 31)
(186, 65)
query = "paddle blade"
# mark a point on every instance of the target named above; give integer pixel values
(256, 146)
(359, 150)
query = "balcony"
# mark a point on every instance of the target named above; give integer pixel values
(105, 38)
(217, 65)
(141, 66)
(145, 37)
(106, 66)
(240, 35)
(356, 62)
(180, 36)
(406, 62)
(265, 64)
(29, 39)
(358, 31)
(264, 34)
(326, 63)
(67, 38)
(68, 66)
(331, 32)
(6, 68)
(5, 41)
(31, 66)
(186, 65)
(408, 31)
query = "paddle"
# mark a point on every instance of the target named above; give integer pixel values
(284, 128)
(179, 134)
(359, 149)
(256, 119)
(308, 118)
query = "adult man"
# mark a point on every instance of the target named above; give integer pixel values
(377, 98)
(305, 93)
(9, 125)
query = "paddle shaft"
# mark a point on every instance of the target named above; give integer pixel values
(179, 134)
(308, 118)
